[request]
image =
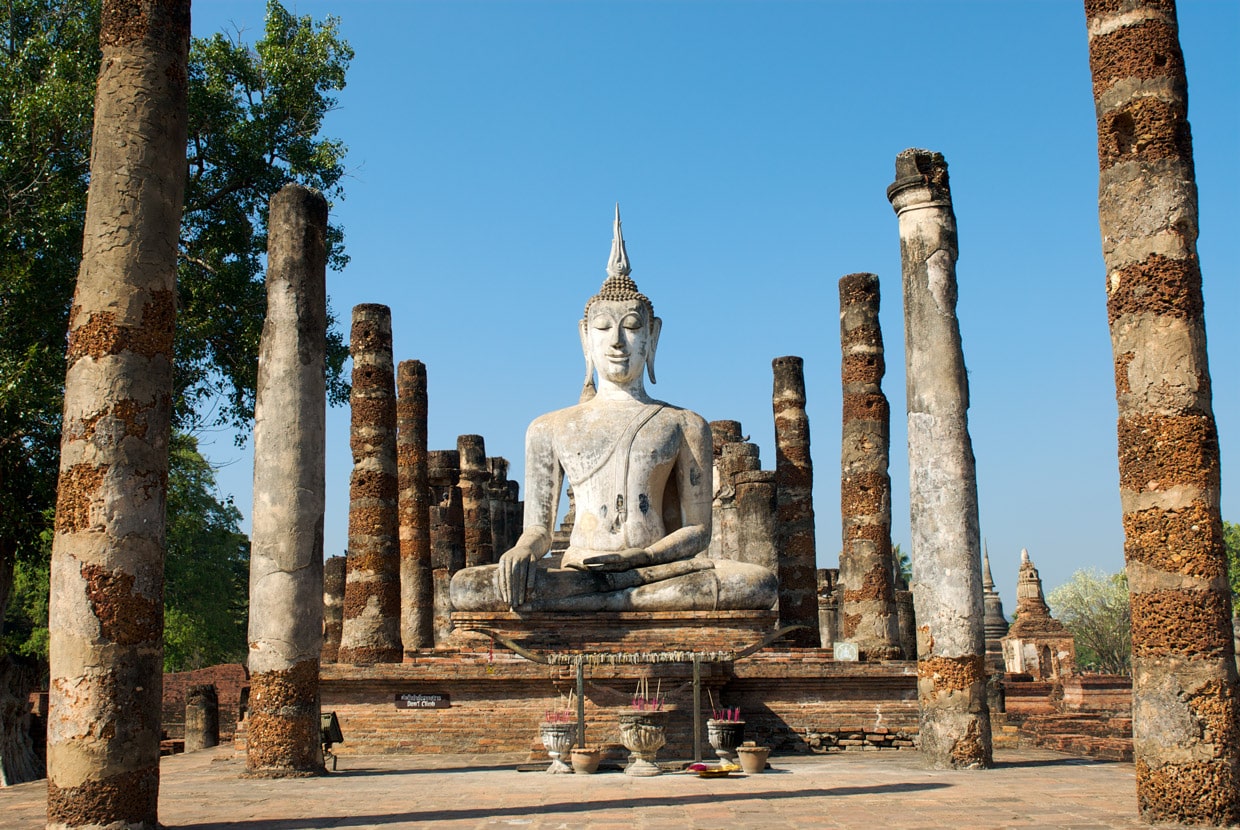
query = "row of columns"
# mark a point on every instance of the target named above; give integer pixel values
(416, 516)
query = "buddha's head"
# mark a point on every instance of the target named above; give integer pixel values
(619, 332)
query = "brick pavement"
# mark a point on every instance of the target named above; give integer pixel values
(888, 790)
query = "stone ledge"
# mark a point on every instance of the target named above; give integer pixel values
(616, 631)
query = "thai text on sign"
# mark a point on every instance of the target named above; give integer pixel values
(411, 700)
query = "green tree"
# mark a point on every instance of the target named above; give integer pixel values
(206, 568)
(1094, 607)
(49, 55)
(902, 566)
(255, 117)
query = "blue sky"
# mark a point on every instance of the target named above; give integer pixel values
(750, 145)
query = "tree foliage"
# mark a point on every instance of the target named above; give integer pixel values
(1094, 607)
(206, 566)
(255, 117)
(49, 54)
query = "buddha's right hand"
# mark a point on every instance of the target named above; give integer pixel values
(516, 571)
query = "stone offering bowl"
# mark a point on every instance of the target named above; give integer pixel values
(558, 739)
(642, 733)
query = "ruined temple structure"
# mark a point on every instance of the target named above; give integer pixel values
(946, 543)
(1186, 696)
(1036, 644)
(675, 609)
(994, 623)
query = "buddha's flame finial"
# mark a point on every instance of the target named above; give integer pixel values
(618, 262)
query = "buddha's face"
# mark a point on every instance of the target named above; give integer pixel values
(618, 339)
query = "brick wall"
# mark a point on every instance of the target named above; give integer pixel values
(229, 680)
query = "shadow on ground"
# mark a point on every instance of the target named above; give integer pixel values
(563, 808)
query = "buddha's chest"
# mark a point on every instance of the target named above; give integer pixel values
(623, 451)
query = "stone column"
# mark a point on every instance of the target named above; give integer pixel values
(333, 607)
(106, 624)
(867, 612)
(1186, 703)
(906, 623)
(794, 480)
(497, 497)
(755, 515)
(828, 607)
(447, 536)
(286, 544)
(413, 504)
(202, 718)
(447, 516)
(474, 502)
(946, 551)
(372, 584)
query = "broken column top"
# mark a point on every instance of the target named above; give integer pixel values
(724, 432)
(916, 167)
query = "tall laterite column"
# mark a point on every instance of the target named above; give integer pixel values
(947, 555)
(1186, 705)
(867, 610)
(371, 631)
(416, 588)
(107, 569)
(286, 557)
(794, 485)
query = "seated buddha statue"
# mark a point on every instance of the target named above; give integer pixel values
(641, 472)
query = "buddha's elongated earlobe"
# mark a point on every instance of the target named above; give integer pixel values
(588, 390)
(656, 326)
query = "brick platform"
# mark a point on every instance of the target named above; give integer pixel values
(795, 700)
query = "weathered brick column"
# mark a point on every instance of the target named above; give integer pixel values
(794, 481)
(106, 625)
(202, 718)
(413, 503)
(946, 551)
(333, 607)
(447, 520)
(1186, 705)
(286, 549)
(474, 502)
(372, 583)
(447, 515)
(867, 611)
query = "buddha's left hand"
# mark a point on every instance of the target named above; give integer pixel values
(623, 561)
